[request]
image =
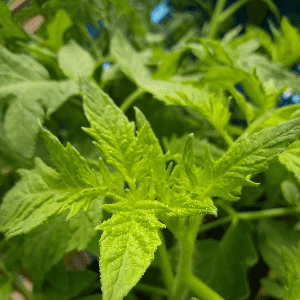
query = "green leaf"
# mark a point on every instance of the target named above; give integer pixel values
(10, 28)
(292, 268)
(181, 189)
(127, 248)
(249, 155)
(113, 133)
(75, 61)
(189, 161)
(219, 264)
(35, 96)
(285, 49)
(291, 159)
(213, 105)
(273, 117)
(43, 193)
(168, 66)
(56, 29)
(49, 242)
(272, 235)
(290, 192)
(245, 107)
(146, 137)
(176, 145)
(219, 53)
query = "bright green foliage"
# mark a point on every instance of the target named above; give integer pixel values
(127, 188)
(273, 117)
(35, 96)
(290, 192)
(285, 48)
(127, 248)
(110, 128)
(273, 235)
(44, 193)
(212, 105)
(56, 29)
(291, 158)
(75, 62)
(292, 267)
(168, 65)
(249, 155)
(134, 224)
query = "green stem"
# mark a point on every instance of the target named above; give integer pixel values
(215, 21)
(186, 238)
(228, 139)
(165, 265)
(268, 213)
(200, 288)
(131, 98)
(152, 289)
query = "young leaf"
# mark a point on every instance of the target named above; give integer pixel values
(113, 133)
(56, 29)
(249, 155)
(43, 193)
(291, 158)
(28, 81)
(75, 61)
(272, 236)
(181, 191)
(285, 49)
(292, 267)
(147, 137)
(127, 248)
(290, 192)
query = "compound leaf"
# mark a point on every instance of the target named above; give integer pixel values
(34, 97)
(113, 133)
(43, 193)
(249, 155)
(292, 268)
(75, 61)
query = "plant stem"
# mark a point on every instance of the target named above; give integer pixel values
(215, 20)
(228, 139)
(186, 247)
(165, 266)
(152, 289)
(268, 213)
(131, 98)
(200, 288)
(187, 238)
